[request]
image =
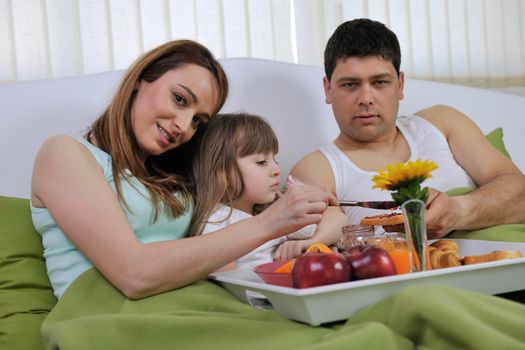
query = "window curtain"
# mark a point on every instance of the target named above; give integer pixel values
(473, 42)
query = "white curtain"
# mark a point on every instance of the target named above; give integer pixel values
(476, 42)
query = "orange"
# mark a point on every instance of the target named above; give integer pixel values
(319, 247)
(314, 247)
(286, 268)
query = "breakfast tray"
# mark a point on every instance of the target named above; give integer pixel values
(339, 301)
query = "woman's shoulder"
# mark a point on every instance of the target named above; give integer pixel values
(60, 140)
(63, 159)
(67, 145)
(58, 146)
(72, 152)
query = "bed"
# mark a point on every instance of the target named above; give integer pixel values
(206, 316)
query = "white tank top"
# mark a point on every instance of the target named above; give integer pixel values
(425, 141)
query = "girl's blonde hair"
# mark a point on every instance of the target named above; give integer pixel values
(168, 174)
(217, 175)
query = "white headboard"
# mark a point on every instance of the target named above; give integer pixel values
(290, 96)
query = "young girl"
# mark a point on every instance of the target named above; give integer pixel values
(235, 173)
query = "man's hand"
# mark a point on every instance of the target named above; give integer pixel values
(441, 214)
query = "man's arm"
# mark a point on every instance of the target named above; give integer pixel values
(500, 196)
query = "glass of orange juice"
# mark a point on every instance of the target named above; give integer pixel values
(396, 246)
(399, 254)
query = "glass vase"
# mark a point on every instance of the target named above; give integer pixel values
(416, 233)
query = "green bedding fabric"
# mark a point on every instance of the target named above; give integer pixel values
(26, 296)
(509, 233)
(93, 315)
(495, 137)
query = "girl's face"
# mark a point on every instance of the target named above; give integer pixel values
(167, 111)
(260, 174)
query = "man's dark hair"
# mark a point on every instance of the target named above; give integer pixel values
(359, 38)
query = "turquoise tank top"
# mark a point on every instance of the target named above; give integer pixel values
(65, 262)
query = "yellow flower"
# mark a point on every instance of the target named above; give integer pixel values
(402, 174)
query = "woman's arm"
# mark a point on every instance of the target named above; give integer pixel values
(69, 182)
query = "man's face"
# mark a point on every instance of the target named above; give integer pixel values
(364, 93)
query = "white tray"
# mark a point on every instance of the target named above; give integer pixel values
(339, 301)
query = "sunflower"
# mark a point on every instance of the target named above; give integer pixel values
(405, 179)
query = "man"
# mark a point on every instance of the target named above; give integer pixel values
(364, 85)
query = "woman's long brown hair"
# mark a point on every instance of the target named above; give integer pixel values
(166, 177)
(218, 178)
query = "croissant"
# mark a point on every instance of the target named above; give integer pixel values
(495, 255)
(446, 245)
(440, 258)
(445, 253)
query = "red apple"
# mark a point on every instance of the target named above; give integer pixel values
(317, 269)
(369, 262)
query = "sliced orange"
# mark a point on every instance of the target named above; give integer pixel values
(314, 247)
(286, 268)
(319, 247)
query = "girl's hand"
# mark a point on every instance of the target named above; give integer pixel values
(291, 249)
(299, 206)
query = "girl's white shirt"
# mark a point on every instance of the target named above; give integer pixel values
(260, 255)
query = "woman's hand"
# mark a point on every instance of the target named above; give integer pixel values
(299, 206)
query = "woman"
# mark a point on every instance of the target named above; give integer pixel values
(111, 200)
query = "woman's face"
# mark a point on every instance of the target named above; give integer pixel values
(167, 112)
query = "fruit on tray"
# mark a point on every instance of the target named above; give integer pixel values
(319, 265)
(286, 268)
(314, 247)
(316, 269)
(369, 262)
(319, 247)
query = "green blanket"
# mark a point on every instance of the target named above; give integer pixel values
(94, 315)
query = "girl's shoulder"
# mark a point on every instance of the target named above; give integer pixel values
(223, 216)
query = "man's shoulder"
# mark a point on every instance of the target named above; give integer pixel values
(442, 116)
(312, 159)
(314, 169)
